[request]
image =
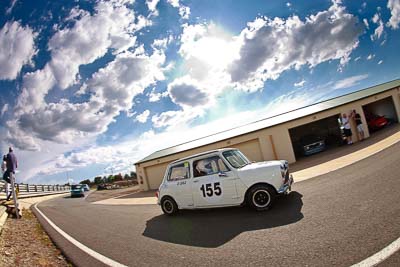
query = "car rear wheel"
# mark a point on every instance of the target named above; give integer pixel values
(169, 206)
(261, 197)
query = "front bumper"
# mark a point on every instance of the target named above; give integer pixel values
(314, 150)
(287, 186)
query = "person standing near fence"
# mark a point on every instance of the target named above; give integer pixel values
(11, 165)
(6, 182)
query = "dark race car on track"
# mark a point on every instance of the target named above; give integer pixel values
(77, 190)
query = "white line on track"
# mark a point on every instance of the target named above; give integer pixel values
(380, 256)
(81, 246)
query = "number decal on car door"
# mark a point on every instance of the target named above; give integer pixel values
(209, 191)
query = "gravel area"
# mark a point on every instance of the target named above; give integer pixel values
(23, 242)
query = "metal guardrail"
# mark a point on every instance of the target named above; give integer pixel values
(25, 189)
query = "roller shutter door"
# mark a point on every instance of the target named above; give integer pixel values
(251, 149)
(155, 174)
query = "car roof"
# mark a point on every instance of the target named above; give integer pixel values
(202, 154)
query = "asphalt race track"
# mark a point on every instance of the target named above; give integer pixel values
(336, 219)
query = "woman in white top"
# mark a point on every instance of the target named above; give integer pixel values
(347, 128)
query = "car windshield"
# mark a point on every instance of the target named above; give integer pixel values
(236, 158)
(75, 186)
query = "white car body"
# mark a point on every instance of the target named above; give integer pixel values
(222, 184)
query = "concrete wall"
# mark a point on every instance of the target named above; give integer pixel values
(265, 144)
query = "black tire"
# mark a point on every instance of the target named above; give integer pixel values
(169, 206)
(261, 197)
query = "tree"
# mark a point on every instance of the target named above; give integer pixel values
(126, 176)
(118, 177)
(133, 175)
(87, 181)
(98, 180)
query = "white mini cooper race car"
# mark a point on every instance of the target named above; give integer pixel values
(222, 178)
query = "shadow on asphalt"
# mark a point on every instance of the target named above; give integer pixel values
(214, 227)
(69, 196)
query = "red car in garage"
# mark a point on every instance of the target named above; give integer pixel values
(376, 122)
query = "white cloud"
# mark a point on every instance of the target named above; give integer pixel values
(155, 97)
(89, 39)
(127, 76)
(380, 29)
(142, 117)
(18, 138)
(380, 62)
(162, 43)
(357, 59)
(9, 10)
(187, 92)
(152, 6)
(366, 23)
(394, 6)
(349, 82)
(271, 46)
(4, 110)
(207, 50)
(215, 61)
(177, 118)
(174, 3)
(184, 11)
(300, 84)
(35, 87)
(111, 90)
(288, 4)
(370, 56)
(16, 49)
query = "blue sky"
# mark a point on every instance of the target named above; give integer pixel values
(90, 87)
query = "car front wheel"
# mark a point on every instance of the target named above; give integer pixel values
(169, 206)
(261, 197)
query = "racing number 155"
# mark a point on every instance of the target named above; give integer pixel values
(209, 191)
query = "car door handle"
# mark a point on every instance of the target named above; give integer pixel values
(222, 174)
(195, 181)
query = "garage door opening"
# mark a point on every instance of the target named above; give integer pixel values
(379, 114)
(317, 136)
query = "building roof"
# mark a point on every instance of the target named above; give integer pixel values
(274, 120)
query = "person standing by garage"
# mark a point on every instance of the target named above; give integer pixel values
(347, 128)
(360, 128)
